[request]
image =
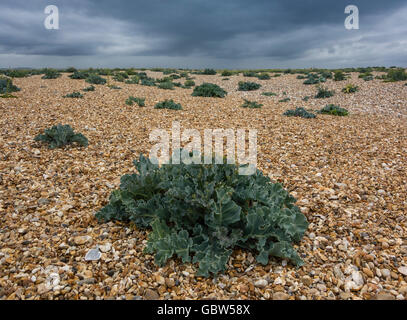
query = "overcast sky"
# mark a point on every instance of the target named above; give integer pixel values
(203, 33)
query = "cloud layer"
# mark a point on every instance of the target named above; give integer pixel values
(203, 33)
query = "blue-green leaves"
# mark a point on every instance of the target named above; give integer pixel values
(205, 211)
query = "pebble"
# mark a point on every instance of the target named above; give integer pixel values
(261, 283)
(402, 270)
(280, 296)
(384, 296)
(306, 280)
(151, 294)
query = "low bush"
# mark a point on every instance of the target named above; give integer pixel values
(133, 80)
(324, 93)
(227, 73)
(7, 86)
(209, 90)
(51, 74)
(79, 75)
(284, 100)
(398, 74)
(140, 101)
(251, 104)
(299, 112)
(350, 88)
(74, 95)
(334, 110)
(168, 104)
(61, 135)
(263, 76)
(209, 72)
(167, 85)
(248, 86)
(95, 79)
(189, 83)
(201, 213)
(339, 76)
(148, 82)
(269, 94)
(91, 88)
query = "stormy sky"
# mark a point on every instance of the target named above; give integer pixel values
(203, 33)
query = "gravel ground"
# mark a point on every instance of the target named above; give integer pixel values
(348, 174)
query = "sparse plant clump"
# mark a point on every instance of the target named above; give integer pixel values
(79, 75)
(269, 94)
(61, 135)
(367, 76)
(250, 74)
(313, 78)
(263, 76)
(7, 87)
(74, 94)
(209, 90)
(168, 104)
(350, 88)
(189, 83)
(51, 74)
(334, 110)
(209, 72)
(95, 79)
(248, 86)
(167, 85)
(114, 87)
(284, 100)
(148, 82)
(227, 73)
(90, 88)
(398, 74)
(324, 93)
(306, 98)
(202, 212)
(251, 104)
(339, 76)
(140, 101)
(120, 76)
(133, 80)
(299, 112)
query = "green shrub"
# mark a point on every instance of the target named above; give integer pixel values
(209, 72)
(201, 213)
(133, 80)
(6, 86)
(74, 95)
(17, 73)
(167, 85)
(396, 75)
(313, 78)
(189, 83)
(79, 75)
(95, 79)
(250, 74)
(334, 110)
(227, 73)
(51, 74)
(324, 93)
(251, 104)
(131, 100)
(248, 86)
(299, 112)
(277, 75)
(306, 98)
(284, 100)
(61, 135)
(269, 94)
(112, 86)
(148, 82)
(339, 76)
(91, 88)
(70, 70)
(168, 104)
(350, 88)
(120, 76)
(263, 76)
(209, 90)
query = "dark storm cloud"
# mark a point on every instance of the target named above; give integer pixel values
(227, 30)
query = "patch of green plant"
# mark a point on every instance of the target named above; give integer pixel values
(284, 100)
(251, 104)
(306, 98)
(133, 80)
(7, 86)
(398, 74)
(202, 212)
(140, 101)
(299, 112)
(209, 72)
(19, 73)
(120, 76)
(91, 88)
(79, 75)
(189, 83)
(250, 74)
(314, 78)
(209, 90)
(95, 79)
(227, 73)
(248, 86)
(334, 110)
(74, 94)
(168, 104)
(263, 76)
(350, 88)
(276, 75)
(112, 86)
(148, 82)
(269, 94)
(61, 135)
(51, 74)
(324, 93)
(167, 85)
(339, 76)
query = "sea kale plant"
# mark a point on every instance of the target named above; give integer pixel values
(168, 104)
(299, 112)
(95, 79)
(6, 86)
(248, 86)
(51, 74)
(350, 88)
(334, 110)
(61, 135)
(74, 95)
(251, 104)
(209, 90)
(201, 212)
(324, 93)
(140, 101)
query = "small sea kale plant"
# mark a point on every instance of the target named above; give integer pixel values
(324, 93)
(168, 104)
(74, 95)
(61, 135)
(334, 110)
(251, 104)
(140, 101)
(209, 90)
(350, 88)
(248, 86)
(51, 74)
(201, 212)
(6, 86)
(299, 112)
(95, 79)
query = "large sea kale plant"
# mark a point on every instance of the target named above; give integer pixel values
(61, 135)
(201, 212)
